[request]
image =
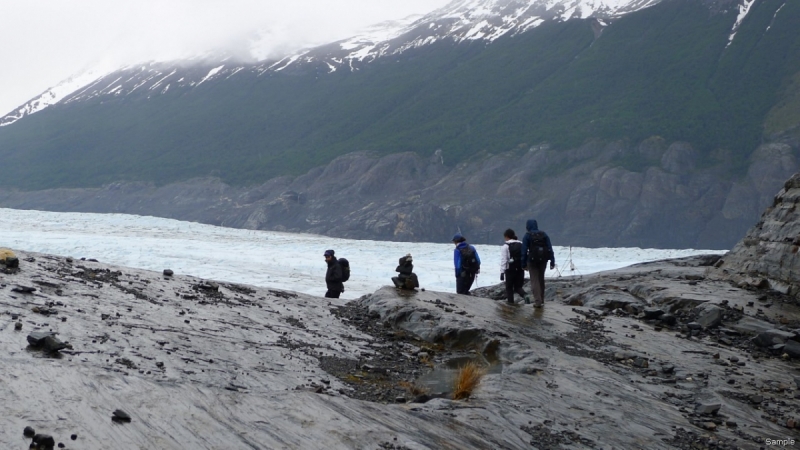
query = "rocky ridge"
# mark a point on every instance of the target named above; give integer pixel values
(406, 197)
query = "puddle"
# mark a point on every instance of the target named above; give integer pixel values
(441, 378)
(520, 313)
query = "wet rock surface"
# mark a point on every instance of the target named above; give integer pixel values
(672, 355)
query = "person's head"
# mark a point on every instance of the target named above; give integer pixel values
(328, 255)
(509, 234)
(532, 225)
(458, 238)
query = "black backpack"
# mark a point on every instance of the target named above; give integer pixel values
(469, 260)
(537, 247)
(514, 255)
(345, 264)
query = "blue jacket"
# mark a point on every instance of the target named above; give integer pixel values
(457, 256)
(531, 226)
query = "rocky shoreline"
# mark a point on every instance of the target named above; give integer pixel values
(670, 354)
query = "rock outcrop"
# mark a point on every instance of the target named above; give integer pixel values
(767, 257)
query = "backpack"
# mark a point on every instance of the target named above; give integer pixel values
(537, 247)
(514, 256)
(469, 260)
(345, 264)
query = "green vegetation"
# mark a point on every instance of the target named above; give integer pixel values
(665, 71)
(786, 114)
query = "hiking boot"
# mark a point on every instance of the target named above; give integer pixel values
(538, 305)
(527, 299)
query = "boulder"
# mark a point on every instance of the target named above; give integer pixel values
(792, 348)
(652, 313)
(773, 337)
(36, 338)
(708, 315)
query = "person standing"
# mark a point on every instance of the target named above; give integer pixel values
(536, 252)
(511, 266)
(467, 264)
(333, 277)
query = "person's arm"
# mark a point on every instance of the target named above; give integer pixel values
(504, 256)
(550, 250)
(457, 261)
(524, 252)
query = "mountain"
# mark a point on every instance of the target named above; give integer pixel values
(710, 82)
(459, 21)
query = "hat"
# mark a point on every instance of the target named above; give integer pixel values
(328, 253)
(458, 238)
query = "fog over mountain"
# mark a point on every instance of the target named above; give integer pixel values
(55, 40)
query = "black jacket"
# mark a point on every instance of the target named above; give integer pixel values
(333, 277)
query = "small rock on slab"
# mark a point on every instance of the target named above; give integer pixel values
(120, 416)
(44, 440)
(168, 272)
(652, 313)
(24, 289)
(707, 408)
(36, 338)
(52, 345)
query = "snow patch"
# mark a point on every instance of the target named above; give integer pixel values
(744, 8)
(211, 73)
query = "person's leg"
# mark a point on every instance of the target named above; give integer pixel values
(470, 279)
(510, 282)
(461, 285)
(332, 294)
(537, 284)
(519, 280)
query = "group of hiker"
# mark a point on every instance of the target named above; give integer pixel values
(532, 254)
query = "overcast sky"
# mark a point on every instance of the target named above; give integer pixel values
(43, 42)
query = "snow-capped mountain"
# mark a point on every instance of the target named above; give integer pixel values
(461, 20)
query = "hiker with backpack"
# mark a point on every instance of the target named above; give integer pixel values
(536, 252)
(338, 272)
(467, 263)
(511, 266)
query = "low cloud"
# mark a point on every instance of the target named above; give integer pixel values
(46, 41)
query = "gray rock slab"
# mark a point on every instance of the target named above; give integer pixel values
(241, 369)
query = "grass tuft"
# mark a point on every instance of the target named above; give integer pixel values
(467, 380)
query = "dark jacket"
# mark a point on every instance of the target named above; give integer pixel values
(333, 277)
(457, 256)
(532, 226)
